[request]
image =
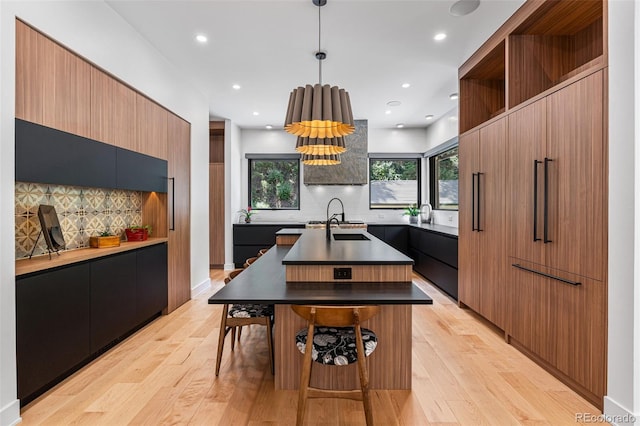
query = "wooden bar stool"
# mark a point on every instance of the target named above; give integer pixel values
(337, 340)
(262, 251)
(249, 261)
(239, 315)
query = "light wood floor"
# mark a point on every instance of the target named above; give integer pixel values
(463, 373)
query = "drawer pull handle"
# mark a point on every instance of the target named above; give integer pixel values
(516, 265)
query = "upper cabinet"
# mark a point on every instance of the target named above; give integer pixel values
(112, 102)
(52, 83)
(152, 134)
(543, 45)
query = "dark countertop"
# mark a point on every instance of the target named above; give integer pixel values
(313, 248)
(280, 223)
(264, 282)
(439, 229)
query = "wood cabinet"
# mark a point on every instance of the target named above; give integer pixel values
(482, 255)
(113, 111)
(179, 212)
(216, 214)
(562, 234)
(152, 128)
(52, 83)
(555, 268)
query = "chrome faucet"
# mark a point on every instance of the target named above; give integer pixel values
(329, 204)
(328, 226)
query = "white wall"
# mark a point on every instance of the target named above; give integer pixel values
(623, 370)
(233, 186)
(95, 31)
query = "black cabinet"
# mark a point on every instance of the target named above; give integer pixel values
(436, 258)
(248, 239)
(151, 282)
(66, 316)
(395, 235)
(52, 156)
(140, 172)
(48, 155)
(52, 325)
(113, 298)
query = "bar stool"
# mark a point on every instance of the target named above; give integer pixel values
(337, 340)
(239, 315)
(262, 251)
(249, 261)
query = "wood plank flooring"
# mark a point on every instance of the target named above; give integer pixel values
(463, 374)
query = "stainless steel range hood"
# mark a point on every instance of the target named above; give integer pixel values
(352, 170)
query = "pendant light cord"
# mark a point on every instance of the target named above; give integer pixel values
(319, 49)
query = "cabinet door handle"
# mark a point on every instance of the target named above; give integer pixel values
(535, 199)
(473, 202)
(554, 277)
(546, 200)
(478, 208)
(172, 227)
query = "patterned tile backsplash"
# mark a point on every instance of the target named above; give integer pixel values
(82, 212)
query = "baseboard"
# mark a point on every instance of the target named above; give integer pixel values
(203, 286)
(10, 413)
(617, 415)
(229, 266)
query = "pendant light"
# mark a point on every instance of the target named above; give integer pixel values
(320, 115)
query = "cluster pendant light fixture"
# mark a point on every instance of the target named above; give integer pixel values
(320, 116)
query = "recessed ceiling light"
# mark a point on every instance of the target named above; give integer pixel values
(236, 87)
(201, 38)
(400, 125)
(464, 7)
(388, 112)
(439, 36)
(394, 103)
(406, 85)
(256, 113)
(429, 117)
(269, 126)
(453, 96)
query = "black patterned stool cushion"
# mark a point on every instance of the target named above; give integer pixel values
(250, 311)
(336, 345)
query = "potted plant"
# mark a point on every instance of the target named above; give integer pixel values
(104, 239)
(138, 233)
(247, 213)
(412, 211)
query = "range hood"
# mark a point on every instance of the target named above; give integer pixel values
(352, 170)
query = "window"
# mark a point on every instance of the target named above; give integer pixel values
(274, 184)
(443, 180)
(393, 183)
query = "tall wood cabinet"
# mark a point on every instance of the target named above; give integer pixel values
(482, 248)
(179, 212)
(540, 81)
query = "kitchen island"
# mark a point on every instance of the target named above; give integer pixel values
(265, 282)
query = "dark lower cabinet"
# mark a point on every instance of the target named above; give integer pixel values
(397, 236)
(52, 325)
(67, 316)
(151, 282)
(113, 298)
(248, 239)
(436, 258)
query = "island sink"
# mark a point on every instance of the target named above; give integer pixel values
(350, 237)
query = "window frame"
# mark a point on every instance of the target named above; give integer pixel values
(397, 158)
(272, 157)
(433, 180)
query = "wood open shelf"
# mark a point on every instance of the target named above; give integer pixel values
(482, 90)
(551, 45)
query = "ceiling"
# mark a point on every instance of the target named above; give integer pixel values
(267, 47)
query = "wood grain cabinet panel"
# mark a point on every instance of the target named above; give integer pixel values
(113, 111)
(482, 258)
(152, 121)
(179, 212)
(216, 214)
(52, 83)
